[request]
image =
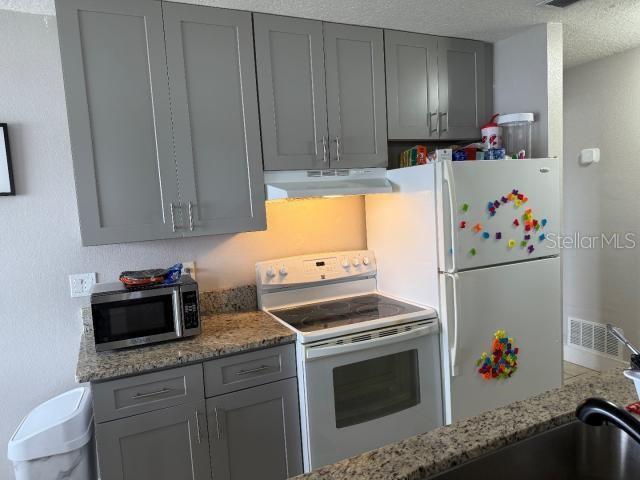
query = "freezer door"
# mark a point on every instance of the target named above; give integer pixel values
(474, 234)
(524, 300)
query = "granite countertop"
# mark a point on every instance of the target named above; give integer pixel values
(222, 334)
(428, 454)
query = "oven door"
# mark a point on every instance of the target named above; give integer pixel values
(136, 318)
(370, 389)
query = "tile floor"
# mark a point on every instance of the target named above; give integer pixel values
(573, 372)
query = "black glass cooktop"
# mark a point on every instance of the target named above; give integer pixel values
(346, 311)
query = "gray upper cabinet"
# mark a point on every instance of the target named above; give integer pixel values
(168, 444)
(412, 85)
(255, 433)
(437, 88)
(461, 88)
(212, 80)
(291, 84)
(119, 119)
(354, 63)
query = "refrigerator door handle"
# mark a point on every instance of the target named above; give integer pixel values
(451, 194)
(453, 349)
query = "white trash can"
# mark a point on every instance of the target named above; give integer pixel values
(55, 441)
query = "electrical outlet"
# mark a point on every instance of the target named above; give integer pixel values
(189, 268)
(81, 284)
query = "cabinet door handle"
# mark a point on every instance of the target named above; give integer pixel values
(252, 370)
(198, 426)
(219, 415)
(190, 216)
(151, 394)
(337, 140)
(173, 216)
(325, 148)
(443, 114)
(432, 121)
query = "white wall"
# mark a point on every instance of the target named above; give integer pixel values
(40, 237)
(528, 78)
(601, 108)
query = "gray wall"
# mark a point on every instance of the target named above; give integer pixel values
(602, 101)
(40, 237)
(528, 78)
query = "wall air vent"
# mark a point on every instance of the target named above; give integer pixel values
(594, 337)
(557, 3)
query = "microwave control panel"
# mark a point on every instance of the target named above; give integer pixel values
(190, 309)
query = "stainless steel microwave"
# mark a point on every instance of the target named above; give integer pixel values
(125, 317)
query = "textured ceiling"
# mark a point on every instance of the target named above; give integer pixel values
(592, 28)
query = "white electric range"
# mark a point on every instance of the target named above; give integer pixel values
(368, 363)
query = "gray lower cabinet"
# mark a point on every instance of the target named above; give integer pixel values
(255, 433)
(437, 88)
(291, 84)
(115, 78)
(322, 91)
(167, 444)
(354, 63)
(215, 118)
(163, 119)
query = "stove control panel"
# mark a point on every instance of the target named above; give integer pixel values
(318, 268)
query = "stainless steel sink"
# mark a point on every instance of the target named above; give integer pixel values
(572, 451)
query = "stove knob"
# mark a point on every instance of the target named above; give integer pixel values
(271, 272)
(356, 262)
(365, 260)
(345, 263)
(283, 271)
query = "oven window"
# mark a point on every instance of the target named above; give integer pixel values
(375, 388)
(133, 318)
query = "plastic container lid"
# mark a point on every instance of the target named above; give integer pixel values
(59, 425)
(515, 117)
(492, 122)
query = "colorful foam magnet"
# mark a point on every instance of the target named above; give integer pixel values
(517, 203)
(503, 360)
(511, 243)
(496, 203)
(465, 207)
(541, 237)
(485, 235)
(537, 227)
(504, 199)
(510, 197)
(473, 252)
(463, 224)
(489, 205)
(492, 213)
(531, 249)
(535, 222)
(516, 222)
(528, 210)
(525, 200)
(527, 237)
(514, 191)
(520, 196)
(498, 235)
(544, 222)
(527, 228)
(523, 243)
(477, 228)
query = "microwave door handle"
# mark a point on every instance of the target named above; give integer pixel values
(321, 352)
(177, 312)
(455, 347)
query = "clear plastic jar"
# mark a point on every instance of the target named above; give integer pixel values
(516, 134)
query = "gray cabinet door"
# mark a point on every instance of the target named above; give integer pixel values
(255, 433)
(291, 85)
(168, 444)
(356, 107)
(411, 61)
(215, 117)
(461, 88)
(113, 61)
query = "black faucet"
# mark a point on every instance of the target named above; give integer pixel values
(596, 411)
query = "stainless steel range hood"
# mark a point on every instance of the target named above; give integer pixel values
(325, 183)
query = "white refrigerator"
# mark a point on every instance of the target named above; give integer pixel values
(478, 240)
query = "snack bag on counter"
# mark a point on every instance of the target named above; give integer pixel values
(414, 156)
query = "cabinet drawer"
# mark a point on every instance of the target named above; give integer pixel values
(147, 392)
(249, 369)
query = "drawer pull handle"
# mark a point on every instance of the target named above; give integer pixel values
(151, 394)
(198, 427)
(253, 370)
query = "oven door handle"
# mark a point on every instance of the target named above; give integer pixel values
(321, 352)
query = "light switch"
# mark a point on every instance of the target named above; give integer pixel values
(589, 156)
(81, 284)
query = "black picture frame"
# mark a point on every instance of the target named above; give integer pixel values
(5, 158)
